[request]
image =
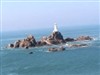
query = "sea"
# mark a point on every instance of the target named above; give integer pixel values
(72, 61)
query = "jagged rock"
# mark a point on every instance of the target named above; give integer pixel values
(41, 43)
(32, 40)
(10, 46)
(17, 44)
(55, 38)
(50, 42)
(22, 43)
(69, 39)
(82, 38)
(56, 49)
(26, 43)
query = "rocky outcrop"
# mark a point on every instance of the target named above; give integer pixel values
(10, 46)
(69, 39)
(55, 38)
(54, 49)
(31, 40)
(41, 43)
(17, 43)
(82, 38)
(25, 43)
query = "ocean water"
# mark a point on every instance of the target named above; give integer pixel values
(72, 61)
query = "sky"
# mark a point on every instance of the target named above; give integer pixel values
(38, 15)
(50, 0)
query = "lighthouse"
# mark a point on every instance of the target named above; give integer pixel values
(55, 27)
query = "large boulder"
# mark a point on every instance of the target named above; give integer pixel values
(24, 43)
(56, 38)
(17, 44)
(10, 46)
(69, 39)
(32, 40)
(28, 42)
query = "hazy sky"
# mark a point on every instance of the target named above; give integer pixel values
(34, 15)
(50, 0)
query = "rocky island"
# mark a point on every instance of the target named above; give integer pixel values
(54, 39)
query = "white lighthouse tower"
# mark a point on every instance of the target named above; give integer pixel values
(55, 27)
